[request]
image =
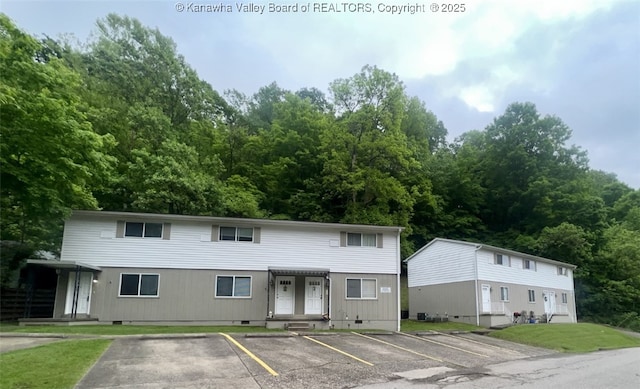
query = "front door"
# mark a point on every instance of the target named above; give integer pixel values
(285, 295)
(486, 298)
(84, 293)
(313, 296)
(549, 302)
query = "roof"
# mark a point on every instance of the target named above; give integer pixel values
(222, 220)
(305, 271)
(62, 264)
(500, 250)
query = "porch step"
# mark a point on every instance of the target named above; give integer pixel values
(298, 326)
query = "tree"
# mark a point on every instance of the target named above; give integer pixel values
(51, 158)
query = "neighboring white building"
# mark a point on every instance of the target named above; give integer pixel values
(120, 267)
(485, 285)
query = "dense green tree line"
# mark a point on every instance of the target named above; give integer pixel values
(124, 123)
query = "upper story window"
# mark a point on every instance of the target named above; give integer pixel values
(529, 265)
(563, 271)
(503, 260)
(238, 234)
(143, 230)
(357, 239)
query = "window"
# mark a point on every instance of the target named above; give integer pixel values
(532, 296)
(529, 265)
(147, 230)
(357, 239)
(564, 298)
(233, 286)
(361, 288)
(562, 271)
(139, 285)
(504, 293)
(503, 260)
(240, 234)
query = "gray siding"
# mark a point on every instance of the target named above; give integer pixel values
(519, 299)
(184, 295)
(381, 313)
(451, 299)
(189, 296)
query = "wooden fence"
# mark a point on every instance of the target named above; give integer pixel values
(13, 303)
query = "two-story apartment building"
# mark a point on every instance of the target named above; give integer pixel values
(485, 285)
(135, 268)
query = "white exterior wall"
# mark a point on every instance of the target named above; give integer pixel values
(545, 274)
(442, 262)
(92, 240)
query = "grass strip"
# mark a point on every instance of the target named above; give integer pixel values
(55, 365)
(568, 338)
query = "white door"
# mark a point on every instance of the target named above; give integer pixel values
(84, 293)
(549, 302)
(285, 295)
(486, 298)
(313, 296)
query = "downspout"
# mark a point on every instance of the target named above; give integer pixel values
(329, 297)
(268, 292)
(475, 264)
(399, 270)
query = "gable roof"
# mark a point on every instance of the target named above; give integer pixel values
(231, 220)
(499, 250)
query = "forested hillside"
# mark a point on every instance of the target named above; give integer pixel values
(123, 123)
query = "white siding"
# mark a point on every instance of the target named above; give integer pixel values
(544, 275)
(93, 241)
(441, 262)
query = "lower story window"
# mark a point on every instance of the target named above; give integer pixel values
(564, 298)
(504, 293)
(532, 296)
(233, 286)
(361, 288)
(139, 285)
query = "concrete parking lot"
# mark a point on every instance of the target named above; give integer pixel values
(337, 360)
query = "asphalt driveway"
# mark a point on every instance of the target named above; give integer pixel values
(336, 360)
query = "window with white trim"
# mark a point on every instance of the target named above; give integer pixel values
(233, 286)
(532, 296)
(139, 285)
(362, 288)
(562, 271)
(358, 239)
(502, 260)
(529, 264)
(143, 230)
(504, 293)
(564, 298)
(238, 234)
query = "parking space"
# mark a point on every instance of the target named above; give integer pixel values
(321, 361)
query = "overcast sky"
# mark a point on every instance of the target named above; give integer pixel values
(578, 60)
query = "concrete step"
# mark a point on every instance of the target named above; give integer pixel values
(298, 326)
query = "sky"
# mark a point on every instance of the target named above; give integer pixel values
(576, 59)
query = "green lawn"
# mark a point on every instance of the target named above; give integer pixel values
(570, 338)
(129, 329)
(415, 326)
(55, 365)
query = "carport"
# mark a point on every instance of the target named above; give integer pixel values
(73, 290)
